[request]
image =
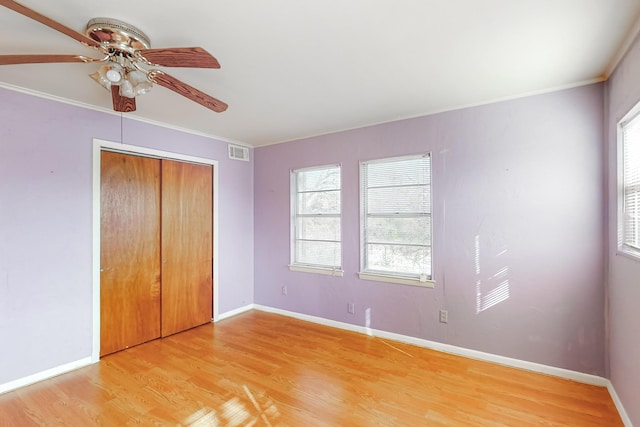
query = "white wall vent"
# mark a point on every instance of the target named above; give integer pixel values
(236, 152)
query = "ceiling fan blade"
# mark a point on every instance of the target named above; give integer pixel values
(190, 92)
(39, 59)
(193, 57)
(30, 13)
(122, 103)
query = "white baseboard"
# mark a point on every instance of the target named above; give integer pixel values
(465, 352)
(446, 348)
(616, 400)
(234, 312)
(67, 367)
(43, 375)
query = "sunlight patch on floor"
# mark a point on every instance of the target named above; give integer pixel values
(234, 412)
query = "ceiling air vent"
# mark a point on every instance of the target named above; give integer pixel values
(237, 152)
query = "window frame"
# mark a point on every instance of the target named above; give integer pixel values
(293, 196)
(623, 247)
(402, 278)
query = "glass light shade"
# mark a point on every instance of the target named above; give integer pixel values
(131, 81)
(136, 77)
(113, 76)
(101, 80)
(142, 88)
(141, 83)
(126, 88)
(112, 71)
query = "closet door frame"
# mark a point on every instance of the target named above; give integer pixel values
(102, 145)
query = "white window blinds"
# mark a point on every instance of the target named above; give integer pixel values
(316, 217)
(396, 216)
(631, 184)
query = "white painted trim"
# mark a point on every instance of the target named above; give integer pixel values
(616, 401)
(622, 50)
(98, 146)
(628, 252)
(622, 248)
(131, 116)
(535, 367)
(234, 312)
(444, 110)
(95, 265)
(301, 137)
(446, 348)
(190, 131)
(336, 272)
(399, 280)
(43, 375)
(216, 248)
(50, 97)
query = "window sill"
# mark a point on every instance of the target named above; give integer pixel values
(336, 272)
(629, 253)
(400, 280)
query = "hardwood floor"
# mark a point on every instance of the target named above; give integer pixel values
(260, 369)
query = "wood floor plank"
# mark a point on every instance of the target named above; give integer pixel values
(262, 369)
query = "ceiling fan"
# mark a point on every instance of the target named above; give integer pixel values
(127, 66)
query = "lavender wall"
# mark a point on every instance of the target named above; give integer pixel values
(623, 93)
(45, 225)
(518, 220)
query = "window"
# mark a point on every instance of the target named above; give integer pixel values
(629, 223)
(315, 220)
(396, 220)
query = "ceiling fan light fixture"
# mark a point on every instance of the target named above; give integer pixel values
(101, 80)
(137, 77)
(142, 88)
(126, 89)
(113, 76)
(131, 81)
(126, 52)
(140, 81)
(113, 32)
(113, 72)
(135, 83)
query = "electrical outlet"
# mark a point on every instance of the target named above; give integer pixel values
(444, 316)
(284, 289)
(351, 308)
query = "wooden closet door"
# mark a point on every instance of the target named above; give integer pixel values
(129, 251)
(187, 245)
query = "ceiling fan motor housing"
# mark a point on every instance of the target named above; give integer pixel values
(112, 33)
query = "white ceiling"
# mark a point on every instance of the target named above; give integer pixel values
(292, 68)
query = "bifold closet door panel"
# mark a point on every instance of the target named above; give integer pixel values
(129, 251)
(187, 245)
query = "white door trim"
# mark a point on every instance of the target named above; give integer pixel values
(98, 146)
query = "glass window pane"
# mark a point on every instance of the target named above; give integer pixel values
(631, 184)
(415, 231)
(631, 218)
(396, 258)
(413, 171)
(316, 208)
(319, 179)
(397, 207)
(318, 228)
(318, 253)
(325, 202)
(401, 200)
